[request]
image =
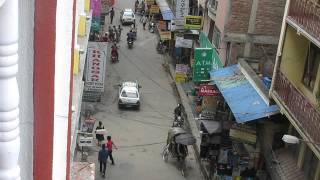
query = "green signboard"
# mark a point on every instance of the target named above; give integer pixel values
(205, 43)
(203, 64)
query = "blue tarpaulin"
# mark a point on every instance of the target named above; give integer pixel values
(244, 101)
(165, 10)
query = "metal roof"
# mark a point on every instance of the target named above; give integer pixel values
(243, 100)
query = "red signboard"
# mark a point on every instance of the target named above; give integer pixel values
(208, 90)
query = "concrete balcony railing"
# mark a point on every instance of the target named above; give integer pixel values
(306, 15)
(305, 115)
(9, 92)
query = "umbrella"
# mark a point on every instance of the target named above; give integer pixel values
(185, 139)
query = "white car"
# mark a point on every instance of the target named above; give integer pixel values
(127, 17)
(129, 95)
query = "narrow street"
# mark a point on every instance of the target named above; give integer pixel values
(140, 135)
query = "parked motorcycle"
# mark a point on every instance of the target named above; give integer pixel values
(161, 48)
(152, 27)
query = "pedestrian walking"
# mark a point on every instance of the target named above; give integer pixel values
(111, 15)
(144, 22)
(99, 137)
(102, 158)
(110, 144)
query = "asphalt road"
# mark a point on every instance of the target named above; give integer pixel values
(139, 134)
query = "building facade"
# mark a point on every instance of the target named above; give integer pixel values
(296, 86)
(36, 100)
(247, 29)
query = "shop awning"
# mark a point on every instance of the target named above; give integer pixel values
(165, 10)
(212, 126)
(243, 100)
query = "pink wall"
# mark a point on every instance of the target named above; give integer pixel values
(221, 20)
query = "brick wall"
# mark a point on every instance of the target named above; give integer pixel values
(238, 20)
(268, 18)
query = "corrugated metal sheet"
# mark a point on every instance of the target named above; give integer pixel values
(165, 10)
(243, 100)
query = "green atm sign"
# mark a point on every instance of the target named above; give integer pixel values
(203, 64)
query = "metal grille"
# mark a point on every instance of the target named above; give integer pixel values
(306, 14)
(304, 113)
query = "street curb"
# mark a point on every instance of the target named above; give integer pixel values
(191, 124)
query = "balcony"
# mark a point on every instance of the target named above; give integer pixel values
(305, 115)
(306, 15)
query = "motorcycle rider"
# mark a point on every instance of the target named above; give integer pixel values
(111, 33)
(114, 51)
(130, 35)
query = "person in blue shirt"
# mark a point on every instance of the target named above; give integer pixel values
(102, 158)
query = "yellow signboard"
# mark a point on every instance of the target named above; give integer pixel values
(165, 35)
(193, 22)
(76, 60)
(87, 6)
(82, 26)
(180, 77)
(149, 2)
(154, 9)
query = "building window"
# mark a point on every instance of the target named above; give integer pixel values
(210, 33)
(213, 4)
(216, 37)
(311, 66)
(309, 164)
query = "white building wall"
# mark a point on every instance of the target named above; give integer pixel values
(64, 21)
(25, 84)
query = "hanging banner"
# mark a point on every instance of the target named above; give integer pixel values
(193, 22)
(111, 2)
(96, 65)
(207, 90)
(182, 8)
(96, 8)
(184, 43)
(165, 35)
(202, 65)
(105, 6)
(154, 9)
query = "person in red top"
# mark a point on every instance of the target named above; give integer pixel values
(109, 148)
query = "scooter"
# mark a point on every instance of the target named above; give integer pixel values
(114, 56)
(130, 43)
(151, 27)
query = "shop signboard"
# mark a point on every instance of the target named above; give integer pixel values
(85, 141)
(162, 25)
(177, 24)
(96, 63)
(193, 22)
(205, 43)
(165, 35)
(182, 8)
(149, 2)
(154, 9)
(184, 43)
(202, 65)
(207, 90)
(180, 77)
